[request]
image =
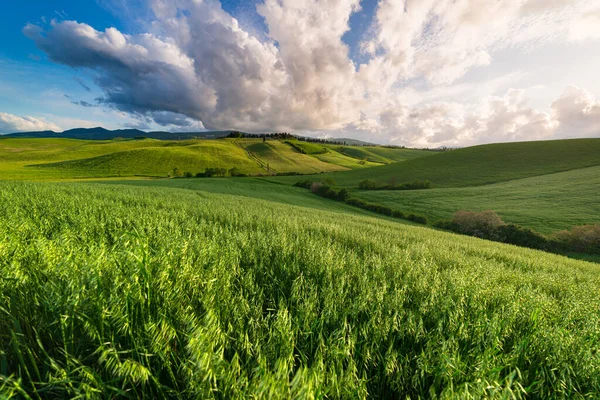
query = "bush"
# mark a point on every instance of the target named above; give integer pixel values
(188, 174)
(235, 171)
(480, 224)
(582, 239)
(367, 185)
(356, 203)
(398, 214)
(210, 172)
(304, 184)
(343, 195)
(323, 190)
(200, 175)
(417, 218)
(521, 236)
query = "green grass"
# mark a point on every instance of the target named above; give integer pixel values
(545, 203)
(481, 165)
(307, 147)
(256, 188)
(160, 161)
(282, 157)
(382, 155)
(115, 291)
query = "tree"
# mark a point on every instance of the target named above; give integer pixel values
(176, 172)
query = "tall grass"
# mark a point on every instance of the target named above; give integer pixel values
(110, 291)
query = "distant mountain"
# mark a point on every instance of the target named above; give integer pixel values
(105, 134)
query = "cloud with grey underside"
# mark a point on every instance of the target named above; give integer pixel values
(200, 66)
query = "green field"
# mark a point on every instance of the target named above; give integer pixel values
(115, 291)
(482, 165)
(55, 159)
(255, 188)
(382, 155)
(546, 203)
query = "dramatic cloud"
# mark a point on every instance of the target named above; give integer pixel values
(195, 66)
(11, 123)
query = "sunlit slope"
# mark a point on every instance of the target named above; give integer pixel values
(480, 165)
(383, 155)
(166, 293)
(546, 203)
(160, 161)
(70, 158)
(281, 157)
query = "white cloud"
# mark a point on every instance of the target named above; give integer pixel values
(201, 66)
(10, 123)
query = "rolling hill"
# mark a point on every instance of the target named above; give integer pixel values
(99, 133)
(545, 203)
(481, 165)
(63, 158)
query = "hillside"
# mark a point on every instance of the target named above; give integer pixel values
(177, 293)
(99, 133)
(481, 165)
(60, 158)
(158, 161)
(546, 203)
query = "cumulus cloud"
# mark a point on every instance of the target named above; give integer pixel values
(10, 123)
(507, 118)
(195, 66)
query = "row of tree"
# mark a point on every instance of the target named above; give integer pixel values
(208, 173)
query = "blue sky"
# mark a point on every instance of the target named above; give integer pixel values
(419, 73)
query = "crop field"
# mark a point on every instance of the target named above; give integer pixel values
(546, 203)
(109, 291)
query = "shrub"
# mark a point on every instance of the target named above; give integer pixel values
(398, 214)
(356, 202)
(367, 185)
(417, 218)
(582, 239)
(235, 171)
(521, 236)
(480, 224)
(323, 190)
(200, 175)
(176, 173)
(343, 195)
(188, 174)
(304, 184)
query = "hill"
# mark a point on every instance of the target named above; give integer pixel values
(546, 203)
(61, 158)
(99, 133)
(162, 292)
(481, 165)
(158, 161)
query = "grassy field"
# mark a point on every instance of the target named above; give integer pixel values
(545, 203)
(115, 291)
(255, 188)
(53, 159)
(482, 165)
(382, 155)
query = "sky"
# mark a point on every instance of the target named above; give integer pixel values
(421, 73)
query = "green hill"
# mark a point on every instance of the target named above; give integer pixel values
(59, 158)
(546, 203)
(481, 165)
(119, 291)
(382, 155)
(159, 161)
